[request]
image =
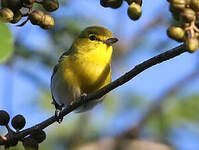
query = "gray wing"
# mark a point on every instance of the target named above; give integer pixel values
(55, 70)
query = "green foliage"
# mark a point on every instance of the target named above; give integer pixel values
(6, 43)
(176, 110)
(186, 109)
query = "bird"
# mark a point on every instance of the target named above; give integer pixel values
(83, 69)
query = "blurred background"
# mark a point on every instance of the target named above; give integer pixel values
(156, 110)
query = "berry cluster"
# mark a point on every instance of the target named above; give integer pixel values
(134, 10)
(186, 12)
(18, 122)
(13, 10)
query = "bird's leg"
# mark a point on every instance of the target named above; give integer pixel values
(58, 111)
(83, 98)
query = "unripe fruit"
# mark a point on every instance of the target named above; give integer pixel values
(36, 17)
(18, 122)
(14, 4)
(38, 135)
(176, 33)
(4, 118)
(17, 16)
(188, 2)
(104, 3)
(197, 34)
(50, 5)
(194, 4)
(134, 11)
(179, 4)
(197, 19)
(185, 24)
(192, 44)
(4, 3)
(188, 15)
(135, 1)
(47, 22)
(116, 3)
(30, 144)
(6, 14)
(111, 3)
(175, 12)
(28, 2)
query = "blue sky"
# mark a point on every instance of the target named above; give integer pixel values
(151, 83)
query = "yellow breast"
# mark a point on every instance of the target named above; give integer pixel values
(88, 71)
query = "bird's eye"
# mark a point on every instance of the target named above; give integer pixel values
(92, 38)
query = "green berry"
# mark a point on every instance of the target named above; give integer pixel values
(179, 4)
(192, 44)
(175, 12)
(104, 3)
(6, 15)
(194, 4)
(47, 22)
(176, 33)
(188, 15)
(134, 1)
(134, 11)
(50, 5)
(116, 4)
(36, 17)
(111, 3)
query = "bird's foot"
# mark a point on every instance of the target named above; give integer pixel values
(57, 113)
(83, 98)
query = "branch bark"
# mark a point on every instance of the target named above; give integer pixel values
(95, 95)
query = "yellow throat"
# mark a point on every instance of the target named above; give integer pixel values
(89, 70)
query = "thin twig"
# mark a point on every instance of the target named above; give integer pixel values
(96, 95)
(23, 23)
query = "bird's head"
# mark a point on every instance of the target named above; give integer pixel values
(94, 38)
(98, 34)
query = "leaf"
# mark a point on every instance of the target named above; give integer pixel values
(188, 108)
(6, 43)
(182, 109)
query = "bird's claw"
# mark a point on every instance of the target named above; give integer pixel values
(83, 98)
(57, 115)
(57, 112)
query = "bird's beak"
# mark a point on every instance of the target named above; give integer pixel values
(110, 41)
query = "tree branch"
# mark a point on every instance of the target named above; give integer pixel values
(95, 95)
